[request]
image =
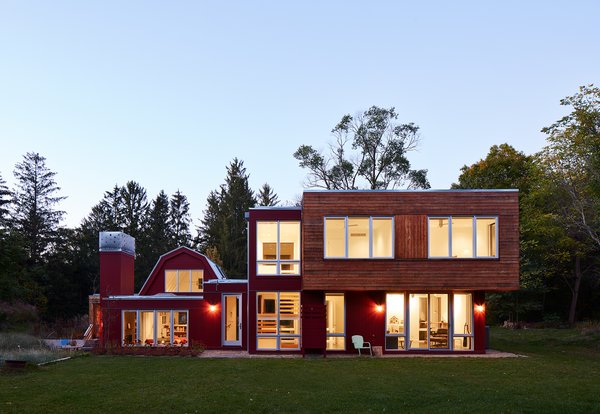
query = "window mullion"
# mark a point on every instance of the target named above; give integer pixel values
(346, 236)
(370, 237)
(277, 251)
(449, 236)
(474, 225)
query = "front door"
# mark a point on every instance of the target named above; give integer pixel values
(232, 320)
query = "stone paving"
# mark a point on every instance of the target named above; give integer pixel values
(490, 353)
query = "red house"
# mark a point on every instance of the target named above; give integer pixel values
(407, 270)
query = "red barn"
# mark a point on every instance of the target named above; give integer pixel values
(406, 270)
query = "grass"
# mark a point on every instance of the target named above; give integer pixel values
(560, 374)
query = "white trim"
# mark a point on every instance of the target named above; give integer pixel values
(347, 241)
(277, 318)
(240, 317)
(155, 312)
(177, 287)
(474, 218)
(278, 261)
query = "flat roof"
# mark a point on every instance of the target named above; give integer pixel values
(430, 190)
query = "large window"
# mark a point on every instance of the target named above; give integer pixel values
(278, 320)
(428, 321)
(359, 237)
(463, 237)
(336, 321)
(463, 321)
(278, 247)
(155, 327)
(184, 280)
(394, 321)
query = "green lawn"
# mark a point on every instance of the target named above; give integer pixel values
(560, 374)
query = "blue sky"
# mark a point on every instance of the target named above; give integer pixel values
(168, 93)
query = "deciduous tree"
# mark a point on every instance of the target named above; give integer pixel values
(370, 151)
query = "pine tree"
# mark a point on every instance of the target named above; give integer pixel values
(224, 225)
(160, 234)
(5, 201)
(34, 207)
(135, 209)
(267, 196)
(179, 219)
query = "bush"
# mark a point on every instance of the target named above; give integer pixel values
(17, 316)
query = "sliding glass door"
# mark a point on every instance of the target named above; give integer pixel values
(428, 323)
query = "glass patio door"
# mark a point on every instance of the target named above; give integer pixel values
(232, 320)
(428, 321)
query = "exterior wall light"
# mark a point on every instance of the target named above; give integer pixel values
(480, 308)
(379, 308)
(212, 308)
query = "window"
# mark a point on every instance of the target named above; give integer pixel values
(359, 237)
(184, 280)
(336, 324)
(463, 237)
(428, 321)
(278, 248)
(155, 328)
(278, 320)
(394, 321)
(463, 322)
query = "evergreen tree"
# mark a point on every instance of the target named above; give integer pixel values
(179, 219)
(135, 209)
(5, 200)
(34, 207)
(224, 225)
(267, 196)
(160, 234)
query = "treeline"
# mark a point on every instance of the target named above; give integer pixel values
(48, 271)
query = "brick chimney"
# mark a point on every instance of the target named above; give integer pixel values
(117, 253)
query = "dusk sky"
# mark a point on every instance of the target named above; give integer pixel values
(168, 93)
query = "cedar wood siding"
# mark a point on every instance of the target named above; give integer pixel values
(410, 269)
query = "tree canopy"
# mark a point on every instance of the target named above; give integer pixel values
(370, 151)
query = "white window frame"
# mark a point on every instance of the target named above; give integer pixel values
(474, 227)
(177, 281)
(337, 335)
(463, 335)
(403, 335)
(371, 218)
(277, 336)
(278, 261)
(154, 334)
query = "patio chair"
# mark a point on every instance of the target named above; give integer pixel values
(359, 343)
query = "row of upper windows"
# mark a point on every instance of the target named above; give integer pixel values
(278, 242)
(448, 237)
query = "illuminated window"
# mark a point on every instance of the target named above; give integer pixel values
(463, 322)
(395, 330)
(462, 237)
(336, 321)
(278, 321)
(359, 237)
(155, 328)
(184, 280)
(278, 247)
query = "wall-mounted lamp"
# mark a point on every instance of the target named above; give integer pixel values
(379, 308)
(480, 308)
(212, 308)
